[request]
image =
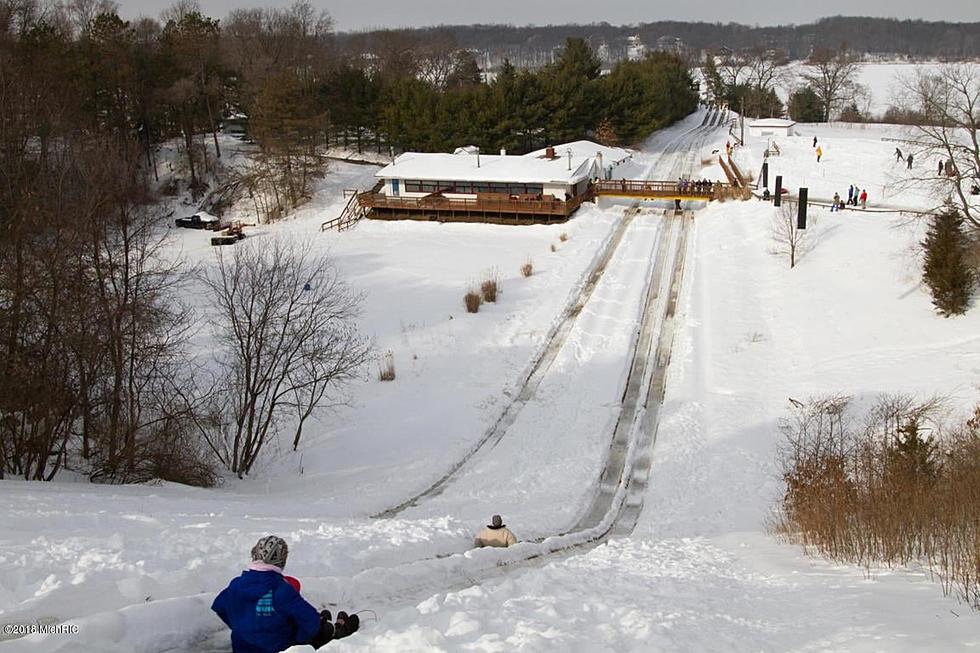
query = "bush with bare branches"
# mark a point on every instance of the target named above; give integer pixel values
(472, 300)
(490, 286)
(787, 237)
(527, 269)
(387, 370)
(896, 484)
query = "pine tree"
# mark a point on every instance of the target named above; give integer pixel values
(804, 106)
(946, 271)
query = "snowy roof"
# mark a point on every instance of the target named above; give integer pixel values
(772, 122)
(493, 167)
(610, 155)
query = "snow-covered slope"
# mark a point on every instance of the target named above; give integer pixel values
(135, 568)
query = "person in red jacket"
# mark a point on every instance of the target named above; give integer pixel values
(864, 199)
(265, 611)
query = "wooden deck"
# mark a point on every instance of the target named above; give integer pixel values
(488, 207)
(510, 209)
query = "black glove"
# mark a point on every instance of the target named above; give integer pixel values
(346, 625)
(326, 630)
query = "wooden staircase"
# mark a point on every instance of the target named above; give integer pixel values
(352, 214)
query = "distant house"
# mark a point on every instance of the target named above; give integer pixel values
(635, 49)
(772, 127)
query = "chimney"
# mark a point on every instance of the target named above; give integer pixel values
(503, 152)
(549, 152)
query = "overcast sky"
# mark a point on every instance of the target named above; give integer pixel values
(364, 14)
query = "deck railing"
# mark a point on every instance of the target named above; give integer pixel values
(664, 189)
(489, 203)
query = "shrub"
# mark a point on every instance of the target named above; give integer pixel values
(898, 483)
(553, 248)
(472, 300)
(527, 269)
(563, 237)
(490, 287)
(387, 370)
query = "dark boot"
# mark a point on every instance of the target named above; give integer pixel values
(346, 625)
(326, 630)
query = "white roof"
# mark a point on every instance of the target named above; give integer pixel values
(610, 155)
(493, 167)
(772, 122)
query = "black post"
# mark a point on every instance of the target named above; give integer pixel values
(778, 197)
(801, 212)
(765, 175)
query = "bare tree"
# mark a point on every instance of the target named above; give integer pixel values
(734, 67)
(832, 74)
(948, 104)
(286, 320)
(788, 237)
(436, 57)
(766, 67)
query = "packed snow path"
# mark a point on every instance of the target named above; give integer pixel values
(678, 157)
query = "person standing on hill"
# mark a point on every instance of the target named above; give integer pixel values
(864, 199)
(850, 194)
(898, 155)
(910, 160)
(942, 164)
(495, 534)
(819, 153)
(814, 141)
(836, 205)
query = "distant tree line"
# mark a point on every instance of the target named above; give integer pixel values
(864, 35)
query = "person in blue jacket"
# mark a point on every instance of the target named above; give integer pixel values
(266, 614)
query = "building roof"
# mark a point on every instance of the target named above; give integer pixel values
(772, 122)
(493, 167)
(610, 155)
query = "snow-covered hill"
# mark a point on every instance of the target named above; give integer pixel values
(135, 567)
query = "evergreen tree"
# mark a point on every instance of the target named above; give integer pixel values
(712, 79)
(946, 271)
(804, 106)
(465, 72)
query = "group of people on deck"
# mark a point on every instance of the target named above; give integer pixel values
(695, 187)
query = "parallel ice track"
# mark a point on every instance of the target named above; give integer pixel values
(688, 143)
(554, 342)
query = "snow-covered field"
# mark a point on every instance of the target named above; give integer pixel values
(135, 567)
